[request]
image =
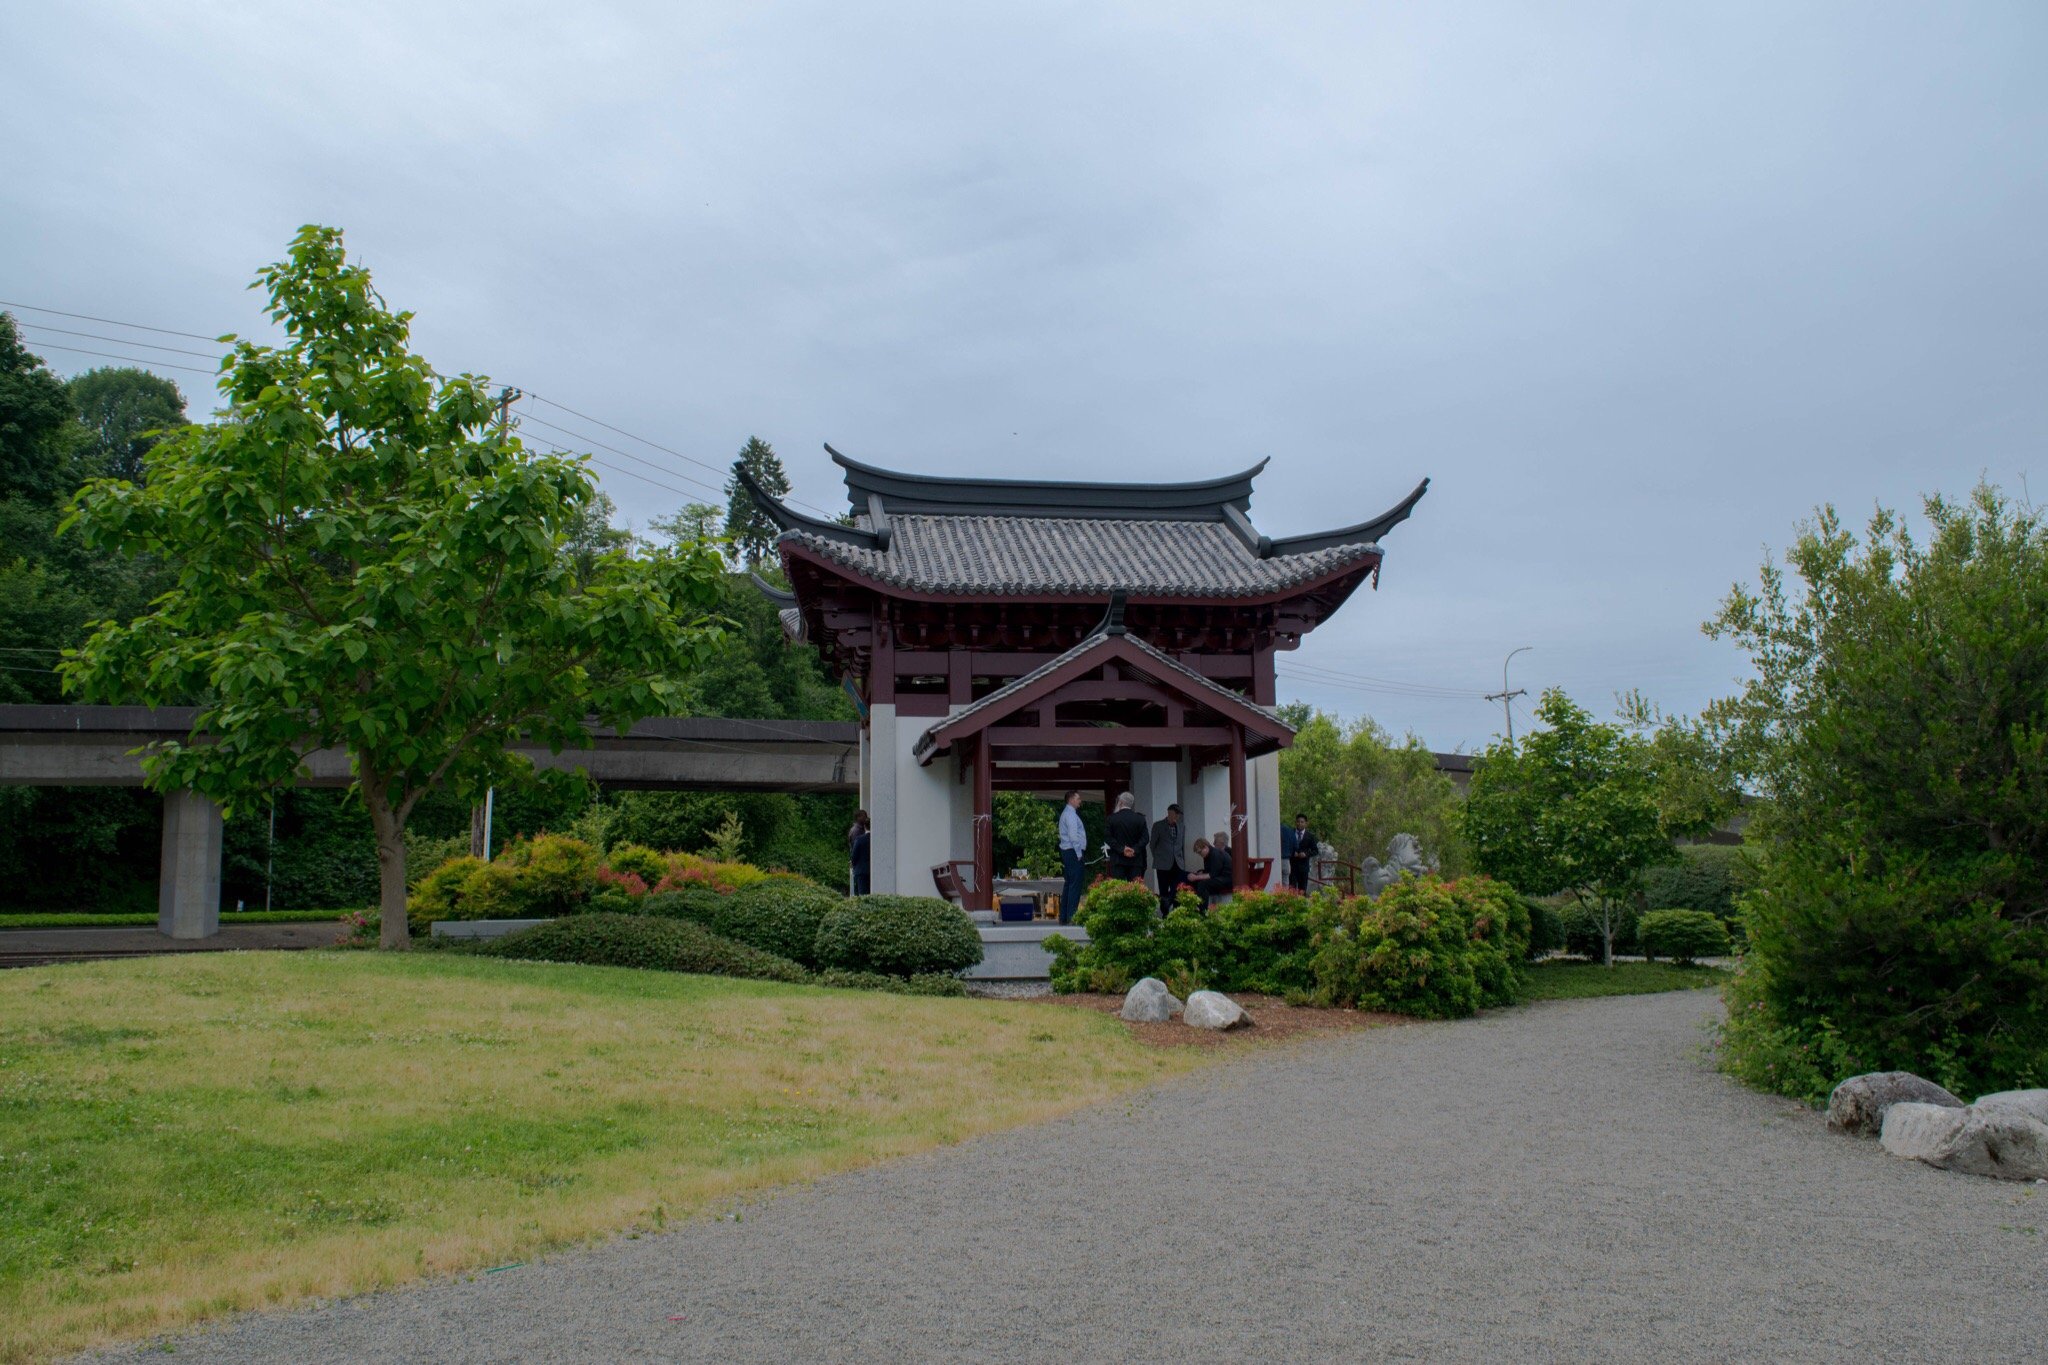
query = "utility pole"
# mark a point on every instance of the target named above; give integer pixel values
(1505, 697)
(480, 813)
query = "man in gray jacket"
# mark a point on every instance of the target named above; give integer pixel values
(1170, 857)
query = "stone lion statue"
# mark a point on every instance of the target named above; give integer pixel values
(1405, 858)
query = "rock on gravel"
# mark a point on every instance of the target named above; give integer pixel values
(1921, 1132)
(1858, 1104)
(1213, 1009)
(2032, 1103)
(1149, 1002)
(2001, 1143)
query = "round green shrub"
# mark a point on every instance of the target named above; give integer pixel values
(1682, 935)
(898, 936)
(779, 914)
(664, 945)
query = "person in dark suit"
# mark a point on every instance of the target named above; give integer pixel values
(857, 852)
(1127, 840)
(1209, 878)
(1169, 857)
(1299, 848)
(860, 862)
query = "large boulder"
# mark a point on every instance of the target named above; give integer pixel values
(1998, 1142)
(1212, 1009)
(1858, 1105)
(2032, 1103)
(2002, 1143)
(1149, 1002)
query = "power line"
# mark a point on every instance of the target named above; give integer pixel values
(552, 448)
(1364, 682)
(1396, 683)
(716, 489)
(657, 445)
(111, 322)
(121, 341)
(529, 417)
(131, 359)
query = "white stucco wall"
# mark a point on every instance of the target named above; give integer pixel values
(923, 817)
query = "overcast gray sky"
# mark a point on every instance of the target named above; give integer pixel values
(1636, 285)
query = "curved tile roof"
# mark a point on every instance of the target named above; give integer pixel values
(1058, 556)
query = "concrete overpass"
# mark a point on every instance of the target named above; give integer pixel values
(99, 746)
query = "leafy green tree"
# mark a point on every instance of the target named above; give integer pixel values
(696, 521)
(361, 563)
(51, 589)
(36, 423)
(753, 535)
(1027, 833)
(1572, 808)
(1897, 725)
(1697, 786)
(125, 412)
(1359, 788)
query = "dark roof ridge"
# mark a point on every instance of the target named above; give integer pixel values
(1197, 500)
(1364, 533)
(789, 519)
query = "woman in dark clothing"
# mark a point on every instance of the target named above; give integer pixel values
(857, 852)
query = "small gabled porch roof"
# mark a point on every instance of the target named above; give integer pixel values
(1263, 729)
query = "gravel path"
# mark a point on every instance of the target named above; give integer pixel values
(1566, 1182)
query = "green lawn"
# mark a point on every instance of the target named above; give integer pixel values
(85, 921)
(187, 1136)
(1559, 980)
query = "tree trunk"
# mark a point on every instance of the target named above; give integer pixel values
(392, 929)
(1607, 935)
(476, 830)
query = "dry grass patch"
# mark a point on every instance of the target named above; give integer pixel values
(184, 1137)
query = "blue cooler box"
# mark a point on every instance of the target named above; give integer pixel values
(1018, 909)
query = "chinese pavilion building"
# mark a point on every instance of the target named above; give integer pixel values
(1004, 634)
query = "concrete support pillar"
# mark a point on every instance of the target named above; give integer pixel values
(1157, 786)
(188, 882)
(1267, 817)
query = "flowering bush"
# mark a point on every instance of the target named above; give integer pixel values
(683, 871)
(1258, 941)
(639, 861)
(1437, 949)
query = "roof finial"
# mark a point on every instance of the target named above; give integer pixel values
(1113, 619)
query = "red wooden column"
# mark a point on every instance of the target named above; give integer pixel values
(984, 897)
(1240, 822)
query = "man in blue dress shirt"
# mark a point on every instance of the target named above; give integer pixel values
(1073, 853)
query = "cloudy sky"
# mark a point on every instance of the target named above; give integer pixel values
(1636, 285)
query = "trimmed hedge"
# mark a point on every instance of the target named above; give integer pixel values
(1682, 935)
(779, 914)
(697, 904)
(927, 983)
(898, 936)
(646, 942)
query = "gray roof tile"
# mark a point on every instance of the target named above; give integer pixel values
(1054, 556)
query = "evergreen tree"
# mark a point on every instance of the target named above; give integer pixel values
(751, 531)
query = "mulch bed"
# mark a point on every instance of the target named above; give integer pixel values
(1272, 1019)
